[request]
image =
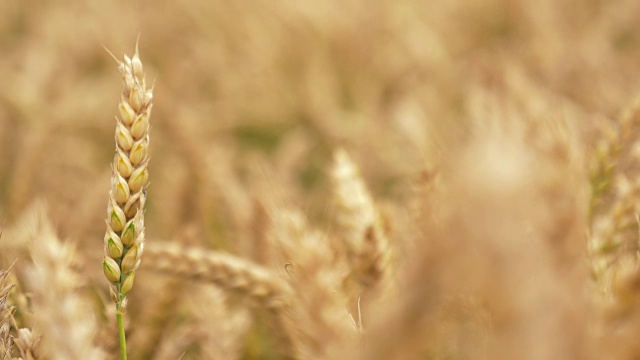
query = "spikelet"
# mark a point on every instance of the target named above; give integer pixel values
(124, 238)
(362, 231)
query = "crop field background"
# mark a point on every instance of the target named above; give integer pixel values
(327, 179)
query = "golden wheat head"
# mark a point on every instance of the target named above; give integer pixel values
(124, 239)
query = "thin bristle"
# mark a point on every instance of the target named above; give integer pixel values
(111, 54)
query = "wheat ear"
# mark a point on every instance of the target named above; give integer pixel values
(318, 320)
(124, 239)
(28, 345)
(61, 313)
(362, 231)
(614, 186)
(233, 274)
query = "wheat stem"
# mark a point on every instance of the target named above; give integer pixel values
(121, 335)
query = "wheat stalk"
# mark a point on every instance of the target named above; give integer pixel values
(124, 239)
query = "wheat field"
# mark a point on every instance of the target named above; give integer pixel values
(366, 180)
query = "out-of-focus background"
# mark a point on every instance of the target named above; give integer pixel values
(253, 96)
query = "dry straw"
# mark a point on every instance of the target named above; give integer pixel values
(124, 239)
